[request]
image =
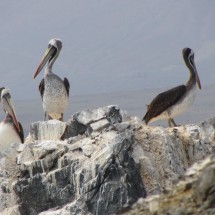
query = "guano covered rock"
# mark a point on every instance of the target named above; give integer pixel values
(101, 162)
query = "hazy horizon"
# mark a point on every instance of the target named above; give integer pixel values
(108, 46)
(134, 102)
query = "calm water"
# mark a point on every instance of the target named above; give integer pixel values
(133, 102)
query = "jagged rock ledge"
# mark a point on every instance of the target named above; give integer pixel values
(99, 162)
(194, 194)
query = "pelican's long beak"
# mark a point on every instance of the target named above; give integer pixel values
(197, 76)
(193, 65)
(48, 54)
(1, 89)
(198, 80)
(9, 108)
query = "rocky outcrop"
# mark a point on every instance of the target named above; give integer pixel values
(194, 194)
(8, 171)
(99, 162)
(164, 154)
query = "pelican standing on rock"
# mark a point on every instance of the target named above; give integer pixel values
(176, 100)
(11, 130)
(54, 91)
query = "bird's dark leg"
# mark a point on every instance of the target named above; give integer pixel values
(173, 122)
(169, 123)
(45, 115)
(61, 119)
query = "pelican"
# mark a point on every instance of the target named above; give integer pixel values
(175, 101)
(10, 129)
(53, 90)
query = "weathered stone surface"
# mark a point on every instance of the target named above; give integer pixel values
(96, 126)
(87, 121)
(8, 172)
(77, 207)
(47, 130)
(58, 175)
(88, 116)
(165, 154)
(73, 129)
(101, 162)
(192, 195)
(113, 114)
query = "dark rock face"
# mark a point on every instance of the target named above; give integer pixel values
(118, 185)
(38, 193)
(73, 128)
